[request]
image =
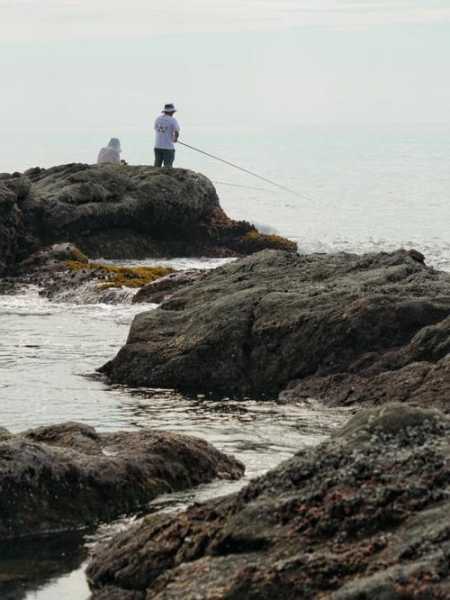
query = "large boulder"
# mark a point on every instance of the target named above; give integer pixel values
(65, 477)
(14, 244)
(363, 516)
(257, 325)
(120, 211)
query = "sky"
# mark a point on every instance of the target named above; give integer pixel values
(75, 72)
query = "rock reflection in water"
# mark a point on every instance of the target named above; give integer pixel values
(29, 564)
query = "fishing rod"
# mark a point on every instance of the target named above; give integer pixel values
(227, 162)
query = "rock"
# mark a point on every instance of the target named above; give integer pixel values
(12, 233)
(164, 288)
(364, 515)
(65, 274)
(52, 257)
(65, 477)
(93, 282)
(423, 383)
(120, 211)
(274, 319)
(4, 434)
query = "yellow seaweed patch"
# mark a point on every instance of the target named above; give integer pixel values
(255, 240)
(79, 256)
(113, 276)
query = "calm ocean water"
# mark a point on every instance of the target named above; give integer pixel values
(363, 190)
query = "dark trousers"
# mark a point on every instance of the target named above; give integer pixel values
(164, 157)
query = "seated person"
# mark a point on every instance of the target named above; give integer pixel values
(111, 153)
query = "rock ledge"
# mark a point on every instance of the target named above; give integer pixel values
(68, 476)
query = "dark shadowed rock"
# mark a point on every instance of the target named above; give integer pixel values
(68, 476)
(14, 243)
(274, 319)
(28, 565)
(363, 516)
(119, 211)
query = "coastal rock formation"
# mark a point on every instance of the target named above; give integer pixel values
(13, 242)
(165, 287)
(51, 258)
(425, 382)
(274, 319)
(65, 274)
(120, 211)
(68, 476)
(362, 516)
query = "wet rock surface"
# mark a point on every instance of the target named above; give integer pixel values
(276, 320)
(164, 288)
(425, 383)
(65, 477)
(364, 515)
(119, 211)
(64, 274)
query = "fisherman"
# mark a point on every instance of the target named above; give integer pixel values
(167, 132)
(111, 152)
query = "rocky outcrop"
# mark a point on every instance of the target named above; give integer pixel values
(273, 320)
(64, 274)
(164, 288)
(14, 244)
(120, 211)
(423, 382)
(65, 477)
(51, 258)
(364, 515)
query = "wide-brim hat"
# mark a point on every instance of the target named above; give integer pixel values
(169, 108)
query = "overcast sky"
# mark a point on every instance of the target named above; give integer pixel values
(78, 19)
(90, 67)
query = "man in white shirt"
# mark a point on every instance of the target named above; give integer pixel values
(167, 132)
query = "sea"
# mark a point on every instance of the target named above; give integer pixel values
(367, 189)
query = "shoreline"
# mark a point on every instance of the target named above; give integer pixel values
(316, 332)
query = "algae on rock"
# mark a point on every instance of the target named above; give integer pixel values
(119, 211)
(116, 276)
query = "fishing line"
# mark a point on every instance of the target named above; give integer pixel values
(278, 185)
(246, 187)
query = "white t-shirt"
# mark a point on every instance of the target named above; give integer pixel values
(165, 128)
